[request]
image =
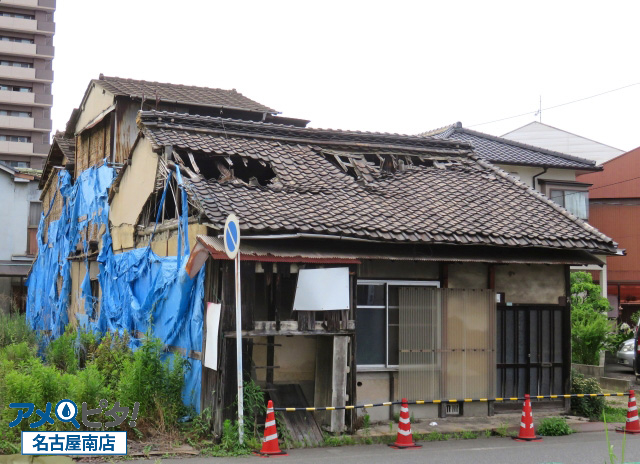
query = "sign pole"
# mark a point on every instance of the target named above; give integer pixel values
(232, 249)
(239, 352)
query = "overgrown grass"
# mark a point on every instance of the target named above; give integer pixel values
(614, 414)
(84, 368)
(14, 329)
(554, 427)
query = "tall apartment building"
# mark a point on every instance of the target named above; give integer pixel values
(26, 75)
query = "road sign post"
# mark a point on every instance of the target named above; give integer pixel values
(232, 248)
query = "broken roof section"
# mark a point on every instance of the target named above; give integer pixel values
(504, 151)
(181, 94)
(370, 186)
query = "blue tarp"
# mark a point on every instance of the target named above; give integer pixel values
(139, 289)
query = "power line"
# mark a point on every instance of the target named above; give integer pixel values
(555, 106)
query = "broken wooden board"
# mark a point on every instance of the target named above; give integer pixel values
(301, 425)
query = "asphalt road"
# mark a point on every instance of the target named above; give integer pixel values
(580, 448)
(621, 371)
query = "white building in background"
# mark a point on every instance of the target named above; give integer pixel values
(549, 137)
(20, 211)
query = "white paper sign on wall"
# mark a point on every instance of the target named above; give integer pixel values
(322, 289)
(213, 326)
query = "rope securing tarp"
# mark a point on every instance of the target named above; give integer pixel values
(464, 400)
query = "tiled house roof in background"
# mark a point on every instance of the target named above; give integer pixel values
(182, 94)
(365, 185)
(504, 151)
(61, 147)
(67, 146)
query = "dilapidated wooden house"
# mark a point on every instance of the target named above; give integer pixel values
(374, 266)
(457, 272)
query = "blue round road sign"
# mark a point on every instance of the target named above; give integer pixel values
(232, 236)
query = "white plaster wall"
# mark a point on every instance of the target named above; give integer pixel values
(97, 101)
(530, 283)
(468, 275)
(525, 174)
(551, 138)
(135, 187)
(296, 358)
(14, 214)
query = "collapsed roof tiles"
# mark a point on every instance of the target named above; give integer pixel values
(442, 194)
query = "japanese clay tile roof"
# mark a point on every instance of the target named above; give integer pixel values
(67, 146)
(182, 94)
(441, 194)
(61, 147)
(499, 150)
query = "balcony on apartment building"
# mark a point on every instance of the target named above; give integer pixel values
(13, 97)
(25, 123)
(16, 148)
(36, 4)
(25, 74)
(26, 25)
(26, 49)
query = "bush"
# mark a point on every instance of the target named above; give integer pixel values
(589, 323)
(111, 356)
(61, 352)
(554, 427)
(154, 383)
(109, 371)
(588, 407)
(14, 329)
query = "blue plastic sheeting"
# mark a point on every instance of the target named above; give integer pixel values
(139, 288)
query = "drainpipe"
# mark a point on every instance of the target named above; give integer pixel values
(539, 174)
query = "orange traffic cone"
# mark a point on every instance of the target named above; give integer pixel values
(633, 425)
(270, 445)
(405, 437)
(527, 432)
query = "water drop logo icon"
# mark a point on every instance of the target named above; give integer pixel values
(66, 411)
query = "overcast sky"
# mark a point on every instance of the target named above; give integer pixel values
(391, 66)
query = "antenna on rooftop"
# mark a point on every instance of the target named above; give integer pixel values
(539, 112)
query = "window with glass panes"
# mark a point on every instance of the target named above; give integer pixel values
(378, 321)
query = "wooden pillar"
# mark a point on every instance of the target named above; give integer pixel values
(444, 275)
(352, 396)
(271, 316)
(339, 382)
(566, 336)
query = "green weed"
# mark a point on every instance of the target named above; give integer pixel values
(14, 329)
(554, 427)
(436, 436)
(614, 414)
(588, 407)
(502, 431)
